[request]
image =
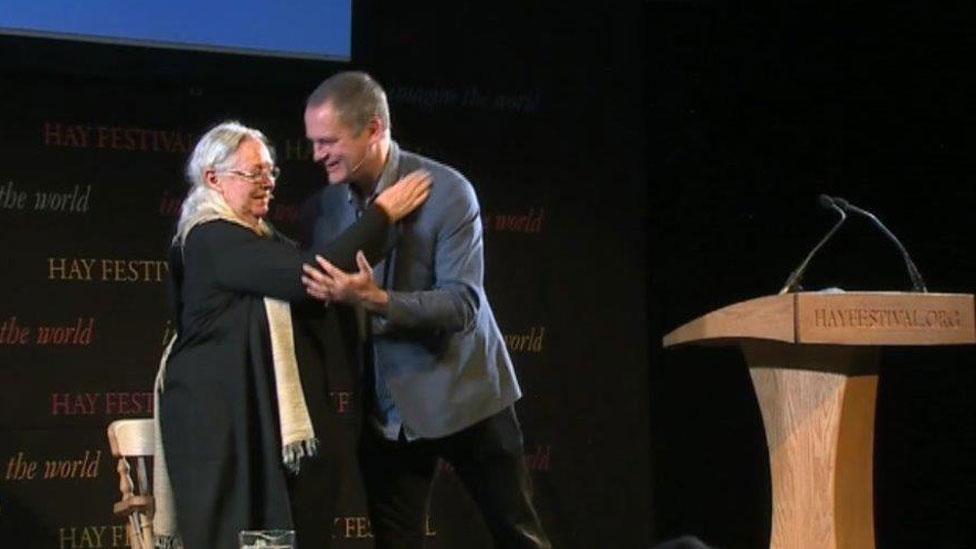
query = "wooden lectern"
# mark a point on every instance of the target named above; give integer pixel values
(813, 358)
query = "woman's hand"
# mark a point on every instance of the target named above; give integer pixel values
(405, 196)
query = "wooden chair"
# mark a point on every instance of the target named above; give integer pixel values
(133, 439)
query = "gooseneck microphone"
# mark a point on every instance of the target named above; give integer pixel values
(793, 282)
(918, 284)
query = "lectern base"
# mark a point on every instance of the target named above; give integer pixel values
(818, 406)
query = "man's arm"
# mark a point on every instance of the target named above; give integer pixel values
(450, 305)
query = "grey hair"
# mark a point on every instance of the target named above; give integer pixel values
(216, 150)
(355, 96)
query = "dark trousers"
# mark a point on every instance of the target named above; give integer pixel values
(488, 458)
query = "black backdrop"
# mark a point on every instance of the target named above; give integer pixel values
(506, 96)
(752, 111)
(639, 164)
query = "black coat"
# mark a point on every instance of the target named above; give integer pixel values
(218, 413)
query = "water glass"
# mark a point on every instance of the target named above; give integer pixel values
(267, 539)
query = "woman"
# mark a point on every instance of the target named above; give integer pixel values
(232, 415)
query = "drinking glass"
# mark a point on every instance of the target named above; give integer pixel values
(267, 539)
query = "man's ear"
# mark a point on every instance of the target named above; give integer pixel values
(376, 130)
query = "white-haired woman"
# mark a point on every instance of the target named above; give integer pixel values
(232, 414)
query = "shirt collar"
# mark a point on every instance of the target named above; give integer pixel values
(389, 175)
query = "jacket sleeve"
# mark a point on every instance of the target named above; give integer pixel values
(453, 301)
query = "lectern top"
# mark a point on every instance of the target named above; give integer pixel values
(842, 318)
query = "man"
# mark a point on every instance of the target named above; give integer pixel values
(439, 382)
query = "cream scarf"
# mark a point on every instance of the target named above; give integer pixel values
(297, 435)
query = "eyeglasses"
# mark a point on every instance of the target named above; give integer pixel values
(257, 175)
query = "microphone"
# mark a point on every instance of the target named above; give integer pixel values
(793, 282)
(357, 166)
(918, 284)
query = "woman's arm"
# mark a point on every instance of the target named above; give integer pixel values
(242, 261)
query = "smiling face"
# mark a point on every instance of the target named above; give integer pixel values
(250, 198)
(348, 156)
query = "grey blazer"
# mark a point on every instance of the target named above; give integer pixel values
(439, 348)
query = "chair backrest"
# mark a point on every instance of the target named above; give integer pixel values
(132, 441)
